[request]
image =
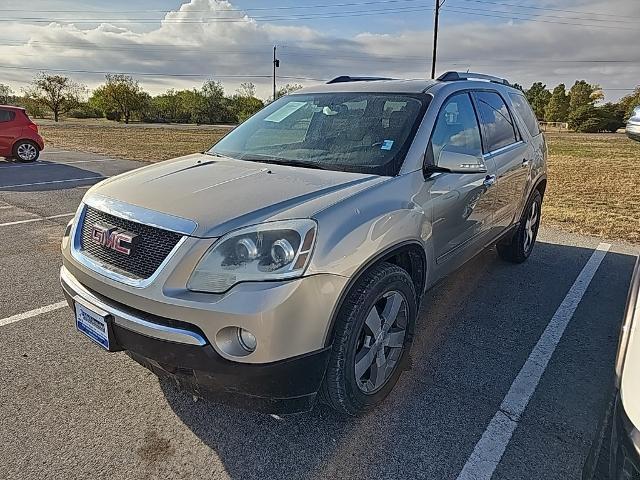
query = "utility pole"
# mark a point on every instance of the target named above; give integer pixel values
(276, 64)
(439, 4)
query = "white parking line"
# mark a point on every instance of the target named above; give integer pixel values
(32, 313)
(489, 450)
(53, 163)
(39, 219)
(51, 182)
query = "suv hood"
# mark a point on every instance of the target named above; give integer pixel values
(222, 194)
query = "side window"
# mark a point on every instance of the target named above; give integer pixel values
(498, 126)
(6, 115)
(456, 128)
(524, 110)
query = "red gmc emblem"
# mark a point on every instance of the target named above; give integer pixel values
(112, 237)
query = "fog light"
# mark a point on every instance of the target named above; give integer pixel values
(247, 340)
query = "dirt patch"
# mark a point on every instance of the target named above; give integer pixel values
(155, 448)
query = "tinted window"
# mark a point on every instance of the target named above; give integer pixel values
(456, 128)
(357, 132)
(6, 115)
(524, 110)
(498, 127)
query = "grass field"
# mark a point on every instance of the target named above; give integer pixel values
(593, 186)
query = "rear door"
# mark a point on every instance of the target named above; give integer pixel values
(8, 131)
(462, 204)
(536, 145)
(503, 144)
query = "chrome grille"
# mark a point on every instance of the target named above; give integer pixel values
(152, 246)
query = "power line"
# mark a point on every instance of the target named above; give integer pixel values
(206, 20)
(550, 9)
(540, 15)
(156, 74)
(363, 57)
(318, 6)
(250, 9)
(507, 16)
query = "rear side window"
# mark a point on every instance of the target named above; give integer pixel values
(456, 128)
(6, 115)
(524, 110)
(498, 127)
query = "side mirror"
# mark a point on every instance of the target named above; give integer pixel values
(455, 162)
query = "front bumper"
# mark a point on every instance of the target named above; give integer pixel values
(625, 446)
(185, 355)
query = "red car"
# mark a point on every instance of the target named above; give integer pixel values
(19, 136)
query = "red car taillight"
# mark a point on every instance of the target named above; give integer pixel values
(33, 127)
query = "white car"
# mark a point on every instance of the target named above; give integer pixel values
(633, 125)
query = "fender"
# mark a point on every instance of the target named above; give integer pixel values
(378, 257)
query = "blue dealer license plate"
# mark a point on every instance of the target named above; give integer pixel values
(93, 325)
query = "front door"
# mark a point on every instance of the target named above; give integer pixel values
(462, 204)
(504, 145)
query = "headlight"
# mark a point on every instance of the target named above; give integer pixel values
(269, 251)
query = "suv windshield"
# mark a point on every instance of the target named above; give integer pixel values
(352, 132)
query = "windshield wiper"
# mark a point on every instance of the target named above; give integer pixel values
(282, 161)
(219, 155)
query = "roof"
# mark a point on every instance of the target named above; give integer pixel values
(347, 83)
(12, 106)
(378, 86)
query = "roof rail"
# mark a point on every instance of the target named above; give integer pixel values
(455, 76)
(347, 78)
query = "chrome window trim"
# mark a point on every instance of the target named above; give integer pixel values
(105, 270)
(126, 320)
(504, 149)
(141, 215)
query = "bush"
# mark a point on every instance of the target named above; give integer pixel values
(84, 110)
(592, 119)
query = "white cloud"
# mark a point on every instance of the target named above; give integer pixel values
(183, 44)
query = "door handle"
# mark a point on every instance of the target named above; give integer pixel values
(489, 180)
(525, 162)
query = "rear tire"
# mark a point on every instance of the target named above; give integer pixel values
(373, 336)
(26, 151)
(518, 248)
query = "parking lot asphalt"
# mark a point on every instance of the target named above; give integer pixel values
(70, 410)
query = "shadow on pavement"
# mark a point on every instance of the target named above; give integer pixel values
(35, 177)
(474, 332)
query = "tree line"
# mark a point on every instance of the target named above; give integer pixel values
(578, 106)
(121, 98)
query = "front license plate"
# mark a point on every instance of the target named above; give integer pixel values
(93, 325)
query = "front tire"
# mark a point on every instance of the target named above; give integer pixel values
(26, 151)
(373, 336)
(518, 248)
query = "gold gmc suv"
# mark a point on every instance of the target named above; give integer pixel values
(287, 263)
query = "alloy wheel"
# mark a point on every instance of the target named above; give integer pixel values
(531, 226)
(380, 342)
(26, 151)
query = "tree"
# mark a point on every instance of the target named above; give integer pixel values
(6, 94)
(631, 101)
(120, 97)
(590, 119)
(287, 89)
(215, 107)
(247, 89)
(245, 103)
(538, 96)
(55, 92)
(582, 94)
(558, 107)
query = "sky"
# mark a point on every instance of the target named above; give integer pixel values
(179, 44)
